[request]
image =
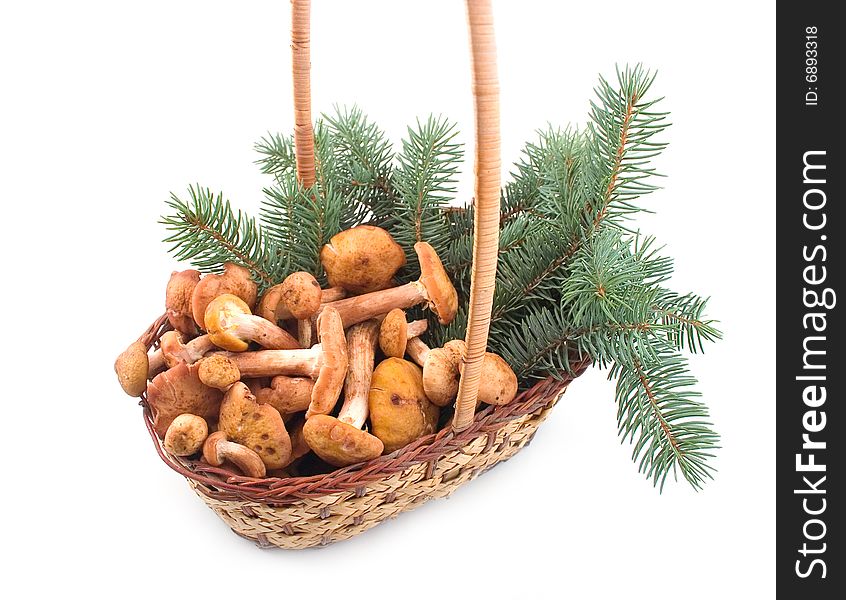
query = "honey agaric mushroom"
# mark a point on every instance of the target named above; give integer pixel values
(174, 350)
(232, 327)
(218, 371)
(218, 449)
(234, 280)
(395, 332)
(433, 287)
(362, 259)
(325, 362)
(286, 394)
(498, 382)
(259, 427)
(179, 390)
(131, 367)
(341, 441)
(400, 412)
(186, 434)
(180, 290)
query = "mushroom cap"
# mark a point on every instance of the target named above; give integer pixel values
(338, 443)
(235, 279)
(400, 412)
(362, 259)
(286, 394)
(186, 434)
(259, 427)
(441, 376)
(179, 390)
(498, 381)
(218, 371)
(299, 447)
(301, 294)
(180, 289)
(393, 333)
(172, 345)
(131, 367)
(267, 305)
(442, 297)
(221, 322)
(333, 364)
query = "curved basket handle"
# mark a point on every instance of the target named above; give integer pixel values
(487, 168)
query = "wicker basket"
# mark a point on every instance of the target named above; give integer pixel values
(302, 512)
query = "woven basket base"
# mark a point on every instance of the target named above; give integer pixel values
(323, 520)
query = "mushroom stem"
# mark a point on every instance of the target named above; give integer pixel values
(417, 350)
(356, 309)
(264, 333)
(217, 449)
(361, 353)
(416, 328)
(269, 363)
(172, 351)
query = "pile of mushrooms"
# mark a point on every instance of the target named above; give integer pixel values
(255, 385)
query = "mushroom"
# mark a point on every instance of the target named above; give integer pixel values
(440, 368)
(341, 441)
(180, 289)
(179, 390)
(259, 427)
(218, 371)
(362, 259)
(400, 412)
(498, 383)
(395, 332)
(433, 287)
(218, 449)
(173, 350)
(286, 394)
(131, 367)
(186, 434)
(325, 362)
(231, 326)
(298, 297)
(235, 280)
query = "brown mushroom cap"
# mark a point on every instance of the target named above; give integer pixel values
(301, 295)
(259, 427)
(362, 259)
(186, 434)
(131, 367)
(498, 381)
(333, 363)
(286, 394)
(235, 280)
(218, 371)
(393, 334)
(180, 289)
(400, 412)
(218, 449)
(441, 376)
(269, 302)
(443, 299)
(179, 390)
(338, 443)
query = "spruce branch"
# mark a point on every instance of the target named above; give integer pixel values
(277, 156)
(659, 412)
(206, 231)
(424, 180)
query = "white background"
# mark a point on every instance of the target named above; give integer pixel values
(106, 107)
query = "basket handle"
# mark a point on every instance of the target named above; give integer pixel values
(487, 168)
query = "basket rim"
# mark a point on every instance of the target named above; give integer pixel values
(222, 484)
